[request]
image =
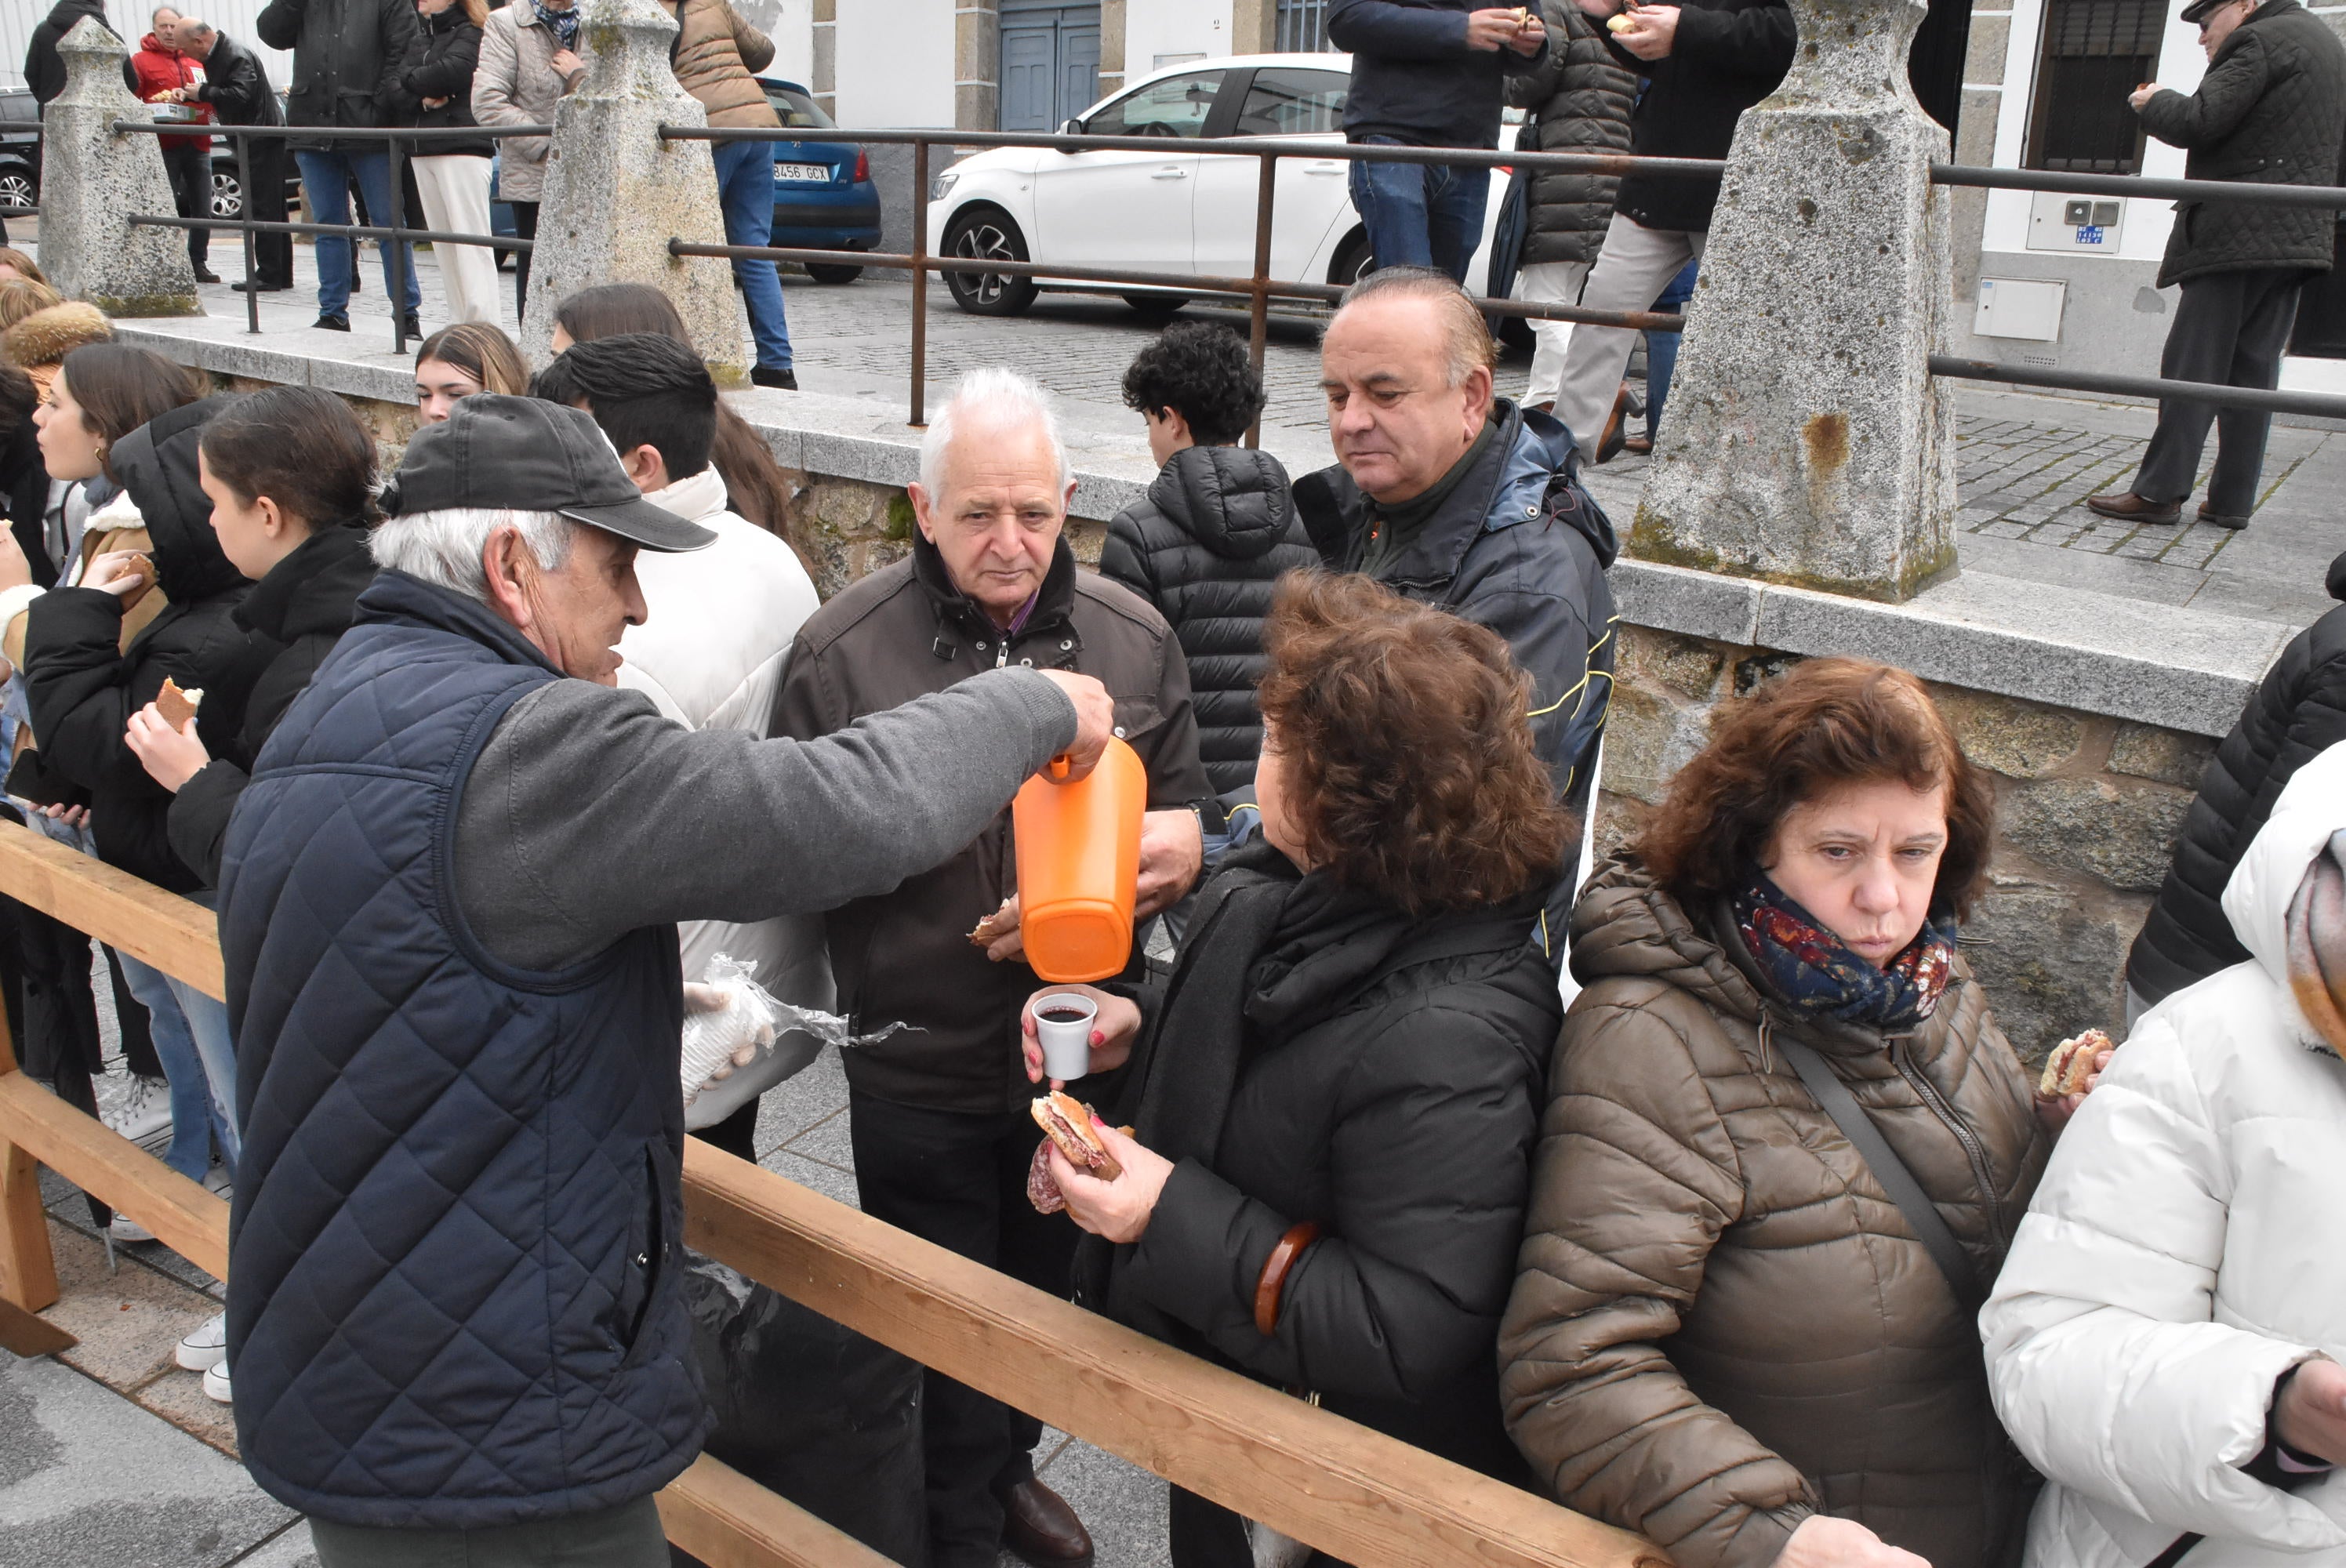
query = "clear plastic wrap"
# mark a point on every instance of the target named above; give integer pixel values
(718, 1040)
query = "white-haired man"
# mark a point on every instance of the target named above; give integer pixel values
(939, 1112)
(448, 913)
(1456, 497)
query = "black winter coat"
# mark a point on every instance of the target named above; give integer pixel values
(301, 608)
(83, 687)
(1414, 77)
(25, 491)
(45, 70)
(1580, 100)
(1728, 54)
(237, 87)
(2298, 712)
(348, 57)
(2270, 110)
(1518, 546)
(1384, 1079)
(441, 65)
(1206, 545)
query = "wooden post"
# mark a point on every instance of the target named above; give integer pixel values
(28, 1272)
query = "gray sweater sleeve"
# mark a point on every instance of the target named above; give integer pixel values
(588, 815)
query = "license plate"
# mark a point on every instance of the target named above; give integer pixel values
(803, 174)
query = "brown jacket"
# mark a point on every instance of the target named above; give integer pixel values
(1720, 1323)
(717, 56)
(903, 632)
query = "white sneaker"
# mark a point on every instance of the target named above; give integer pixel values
(142, 1113)
(205, 1347)
(126, 1228)
(216, 1384)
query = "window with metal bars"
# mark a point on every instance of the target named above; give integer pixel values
(2093, 54)
(1303, 27)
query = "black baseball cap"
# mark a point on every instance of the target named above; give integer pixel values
(2199, 11)
(533, 456)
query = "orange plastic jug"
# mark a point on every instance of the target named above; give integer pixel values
(1079, 862)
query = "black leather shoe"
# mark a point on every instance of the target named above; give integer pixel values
(1040, 1529)
(414, 325)
(260, 286)
(2222, 519)
(332, 324)
(205, 275)
(2128, 507)
(786, 381)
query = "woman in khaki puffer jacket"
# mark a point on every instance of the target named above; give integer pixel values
(1721, 1324)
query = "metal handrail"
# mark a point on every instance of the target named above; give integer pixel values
(2140, 187)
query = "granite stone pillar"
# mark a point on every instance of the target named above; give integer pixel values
(615, 192)
(93, 178)
(1807, 441)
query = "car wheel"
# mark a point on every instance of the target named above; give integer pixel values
(1157, 309)
(986, 233)
(16, 189)
(832, 272)
(1352, 262)
(228, 191)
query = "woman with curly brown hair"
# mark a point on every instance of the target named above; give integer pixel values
(1786, 1146)
(1336, 1094)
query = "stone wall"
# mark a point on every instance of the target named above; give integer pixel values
(2088, 809)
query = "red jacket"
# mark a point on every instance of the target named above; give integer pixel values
(160, 69)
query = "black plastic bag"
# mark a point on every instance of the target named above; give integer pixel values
(809, 1410)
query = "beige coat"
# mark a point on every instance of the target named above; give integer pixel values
(717, 55)
(516, 85)
(1720, 1323)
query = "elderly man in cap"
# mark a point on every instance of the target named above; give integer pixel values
(2270, 110)
(448, 915)
(938, 1113)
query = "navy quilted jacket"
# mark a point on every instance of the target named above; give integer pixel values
(456, 1237)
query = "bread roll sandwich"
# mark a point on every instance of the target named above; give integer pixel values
(989, 929)
(1067, 1123)
(2071, 1063)
(177, 707)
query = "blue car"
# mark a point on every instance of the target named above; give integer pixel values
(823, 196)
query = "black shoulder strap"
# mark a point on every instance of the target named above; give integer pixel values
(1930, 1227)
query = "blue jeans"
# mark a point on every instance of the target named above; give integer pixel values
(190, 1153)
(326, 179)
(745, 184)
(1662, 348)
(215, 1045)
(1420, 214)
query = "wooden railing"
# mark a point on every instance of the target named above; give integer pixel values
(1356, 1493)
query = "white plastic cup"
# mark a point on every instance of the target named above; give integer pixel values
(1066, 1039)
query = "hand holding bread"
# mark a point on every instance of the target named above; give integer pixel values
(2072, 1069)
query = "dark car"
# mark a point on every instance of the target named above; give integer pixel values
(20, 148)
(823, 196)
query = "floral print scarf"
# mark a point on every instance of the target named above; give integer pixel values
(1812, 970)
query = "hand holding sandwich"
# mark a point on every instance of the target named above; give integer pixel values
(172, 757)
(1498, 27)
(1117, 1209)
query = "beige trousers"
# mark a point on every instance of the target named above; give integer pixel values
(1637, 264)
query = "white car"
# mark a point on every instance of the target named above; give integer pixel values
(1178, 210)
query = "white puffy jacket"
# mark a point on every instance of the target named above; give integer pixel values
(2188, 1247)
(717, 632)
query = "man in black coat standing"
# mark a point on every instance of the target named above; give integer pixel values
(1705, 62)
(1427, 73)
(44, 72)
(2270, 110)
(348, 58)
(238, 90)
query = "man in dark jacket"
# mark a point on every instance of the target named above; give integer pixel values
(447, 916)
(938, 1113)
(1426, 72)
(1455, 497)
(2270, 111)
(1207, 542)
(1580, 98)
(1705, 62)
(44, 71)
(348, 57)
(2298, 712)
(238, 90)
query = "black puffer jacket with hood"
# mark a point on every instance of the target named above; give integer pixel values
(1206, 545)
(84, 685)
(2298, 711)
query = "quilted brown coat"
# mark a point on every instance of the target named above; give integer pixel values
(1720, 1323)
(716, 56)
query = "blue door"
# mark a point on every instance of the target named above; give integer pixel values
(1050, 63)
